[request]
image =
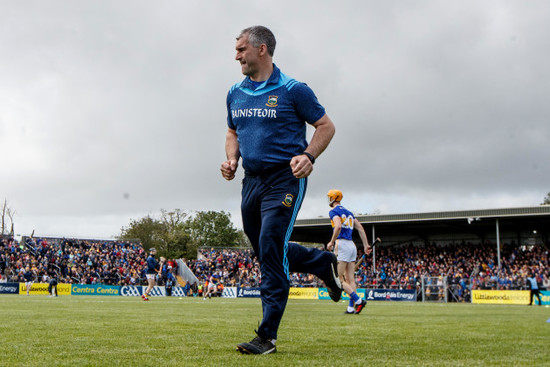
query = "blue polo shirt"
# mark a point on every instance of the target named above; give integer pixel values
(152, 265)
(28, 276)
(270, 118)
(533, 282)
(347, 219)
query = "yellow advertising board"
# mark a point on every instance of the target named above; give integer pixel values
(63, 289)
(303, 293)
(501, 297)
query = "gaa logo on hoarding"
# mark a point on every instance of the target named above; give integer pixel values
(156, 291)
(129, 291)
(178, 292)
(229, 292)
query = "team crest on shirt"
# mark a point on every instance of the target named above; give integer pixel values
(289, 198)
(272, 101)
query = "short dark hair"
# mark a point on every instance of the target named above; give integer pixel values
(259, 34)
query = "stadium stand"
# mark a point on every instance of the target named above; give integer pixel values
(467, 266)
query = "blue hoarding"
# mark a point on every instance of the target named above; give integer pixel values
(248, 292)
(391, 295)
(9, 288)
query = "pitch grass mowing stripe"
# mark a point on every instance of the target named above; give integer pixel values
(125, 331)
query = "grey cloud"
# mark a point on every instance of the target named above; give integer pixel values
(111, 110)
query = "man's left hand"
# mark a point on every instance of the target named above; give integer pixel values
(301, 166)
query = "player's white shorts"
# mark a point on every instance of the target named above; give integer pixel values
(151, 276)
(212, 286)
(346, 251)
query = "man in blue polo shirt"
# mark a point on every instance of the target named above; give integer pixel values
(534, 287)
(266, 116)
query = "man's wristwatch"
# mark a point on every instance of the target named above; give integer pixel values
(310, 156)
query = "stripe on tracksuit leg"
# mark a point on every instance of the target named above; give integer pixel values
(297, 205)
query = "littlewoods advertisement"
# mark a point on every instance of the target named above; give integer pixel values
(501, 297)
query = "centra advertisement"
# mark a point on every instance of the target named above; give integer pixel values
(544, 298)
(95, 290)
(63, 289)
(501, 297)
(323, 294)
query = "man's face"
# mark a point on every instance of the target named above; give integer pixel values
(248, 56)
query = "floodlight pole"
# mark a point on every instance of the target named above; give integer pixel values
(498, 244)
(373, 251)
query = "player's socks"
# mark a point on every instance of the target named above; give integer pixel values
(350, 310)
(351, 303)
(354, 297)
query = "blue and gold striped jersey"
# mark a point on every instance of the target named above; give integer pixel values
(347, 219)
(270, 120)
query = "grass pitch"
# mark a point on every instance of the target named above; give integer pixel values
(125, 331)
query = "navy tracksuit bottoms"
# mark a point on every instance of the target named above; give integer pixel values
(270, 204)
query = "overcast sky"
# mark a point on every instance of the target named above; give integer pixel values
(113, 110)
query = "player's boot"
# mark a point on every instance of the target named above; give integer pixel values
(258, 345)
(332, 281)
(359, 307)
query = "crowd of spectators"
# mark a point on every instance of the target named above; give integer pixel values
(72, 261)
(239, 267)
(464, 266)
(235, 266)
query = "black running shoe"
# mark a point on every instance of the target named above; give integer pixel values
(349, 312)
(258, 345)
(332, 281)
(359, 307)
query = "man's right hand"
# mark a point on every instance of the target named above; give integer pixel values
(229, 168)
